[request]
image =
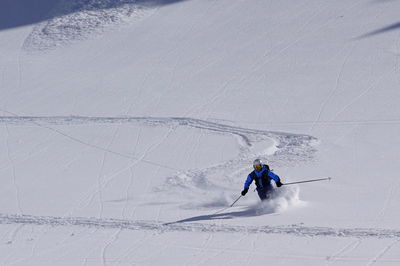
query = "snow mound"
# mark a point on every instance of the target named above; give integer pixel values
(83, 19)
(282, 199)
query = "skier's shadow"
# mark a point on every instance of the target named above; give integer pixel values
(248, 212)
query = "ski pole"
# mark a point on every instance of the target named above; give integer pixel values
(307, 181)
(235, 201)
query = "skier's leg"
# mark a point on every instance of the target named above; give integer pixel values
(269, 192)
(262, 193)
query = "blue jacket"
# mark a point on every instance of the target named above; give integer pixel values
(262, 178)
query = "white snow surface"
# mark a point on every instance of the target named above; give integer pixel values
(127, 129)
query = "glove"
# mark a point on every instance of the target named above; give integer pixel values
(244, 192)
(279, 184)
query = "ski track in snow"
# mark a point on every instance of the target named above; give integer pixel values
(288, 143)
(344, 250)
(279, 148)
(123, 224)
(286, 147)
(14, 180)
(382, 252)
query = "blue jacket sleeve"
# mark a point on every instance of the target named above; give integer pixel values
(274, 176)
(248, 182)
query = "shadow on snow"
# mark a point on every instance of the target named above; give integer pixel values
(391, 27)
(248, 212)
(17, 13)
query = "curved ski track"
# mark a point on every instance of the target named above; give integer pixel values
(294, 230)
(290, 144)
(289, 148)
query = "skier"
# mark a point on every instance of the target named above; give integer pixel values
(262, 176)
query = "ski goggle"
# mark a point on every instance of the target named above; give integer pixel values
(257, 167)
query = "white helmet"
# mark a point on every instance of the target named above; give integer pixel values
(257, 164)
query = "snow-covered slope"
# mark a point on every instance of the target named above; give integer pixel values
(128, 128)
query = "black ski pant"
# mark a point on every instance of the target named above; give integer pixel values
(265, 192)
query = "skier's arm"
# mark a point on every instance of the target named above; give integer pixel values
(247, 185)
(248, 182)
(275, 178)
